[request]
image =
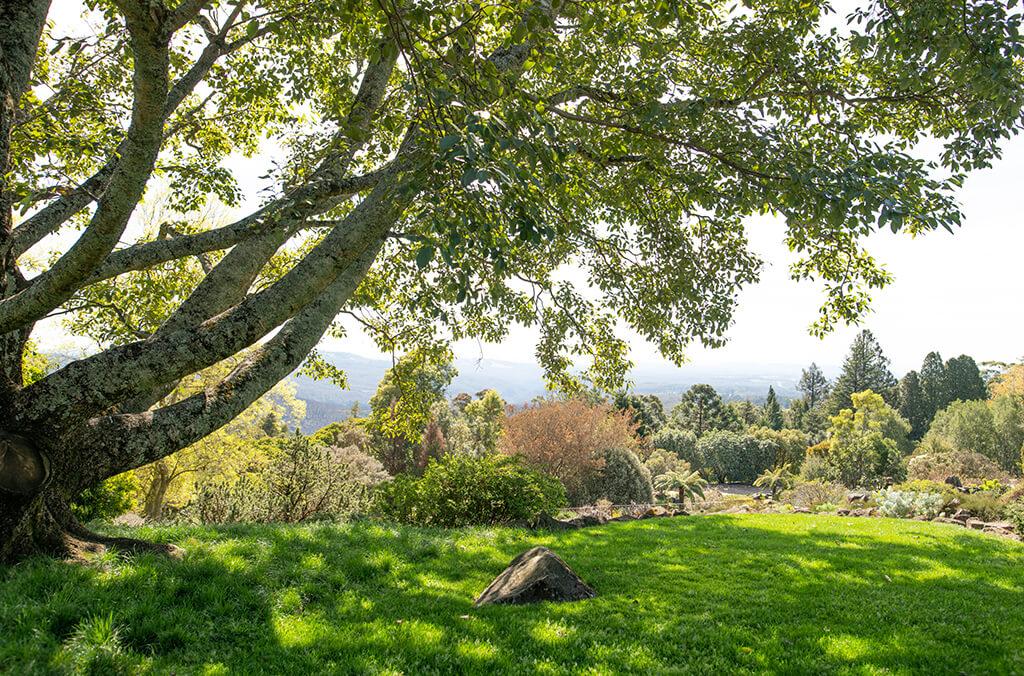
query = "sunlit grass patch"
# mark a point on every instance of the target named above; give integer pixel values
(720, 594)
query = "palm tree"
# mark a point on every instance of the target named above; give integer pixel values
(775, 480)
(689, 484)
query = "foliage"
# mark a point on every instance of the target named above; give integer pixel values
(1014, 513)
(865, 368)
(742, 414)
(815, 467)
(814, 385)
(343, 433)
(485, 422)
(1010, 382)
(463, 490)
(730, 456)
(936, 461)
(96, 646)
(913, 406)
(683, 443)
(973, 426)
(771, 413)
(811, 494)
(564, 438)
(948, 492)
(689, 485)
(108, 499)
(622, 479)
(700, 410)
(790, 446)
(646, 412)
(34, 364)
(905, 504)
(661, 461)
(301, 481)
(400, 409)
(776, 479)
(222, 456)
(985, 505)
(867, 442)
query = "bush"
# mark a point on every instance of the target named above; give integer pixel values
(464, 490)
(623, 480)
(937, 462)
(301, 482)
(564, 439)
(683, 443)
(728, 456)
(949, 493)
(811, 494)
(1014, 513)
(814, 468)
(662, 461)
(106, 499)
(985, 505)
(905, 504)
(790, 446)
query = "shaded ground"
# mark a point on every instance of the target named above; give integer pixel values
(717, 594)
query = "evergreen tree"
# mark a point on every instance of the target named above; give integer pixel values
(645, 410)
(771, 414)
(865, 368)
(814, 385)
(933, 383)
(913, 405)
(701, 409)
(963, 380)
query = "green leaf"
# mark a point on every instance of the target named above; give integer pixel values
(425, 255)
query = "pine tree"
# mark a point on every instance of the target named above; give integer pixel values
(933, 383)
(865, 368)
(814, 385)
(963, 380)
(771, 414)
(701, 409)
(913, 405)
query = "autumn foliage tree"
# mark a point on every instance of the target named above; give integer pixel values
(567, 439)
(438, 164)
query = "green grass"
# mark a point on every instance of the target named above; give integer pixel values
(718, 594)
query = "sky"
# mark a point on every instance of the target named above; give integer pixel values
(955, 293)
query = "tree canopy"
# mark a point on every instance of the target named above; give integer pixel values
(438, 165)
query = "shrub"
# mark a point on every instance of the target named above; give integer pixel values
(790, 446)
(949, 493)
(623, 479)
(814, 468)
(984, 505)
(661, 461)
(936, 461)
(564, 439)
(728, 456)
(905, 504)
(464, 490)
(1014, 513)
(810, 494)
(106, 499)
(683, 443)
(301, 482)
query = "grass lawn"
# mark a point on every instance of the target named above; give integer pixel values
(718, 594)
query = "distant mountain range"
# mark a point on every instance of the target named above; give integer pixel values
(518, 383)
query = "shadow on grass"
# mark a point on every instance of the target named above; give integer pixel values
(703, 594)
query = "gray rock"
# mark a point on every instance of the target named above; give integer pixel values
(858, 496)
(536, 575)
(976, 524)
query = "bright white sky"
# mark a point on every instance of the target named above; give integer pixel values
(957, 293)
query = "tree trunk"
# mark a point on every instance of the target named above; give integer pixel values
(157, 492)
(35, 516)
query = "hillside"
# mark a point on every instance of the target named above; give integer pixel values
(718, 594)
(519, 383)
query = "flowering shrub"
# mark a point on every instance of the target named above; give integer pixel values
(905, 504)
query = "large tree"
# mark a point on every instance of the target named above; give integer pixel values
(701, 409)
(814, 385)
(866, 368)
(437, 165)
(912, 404)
